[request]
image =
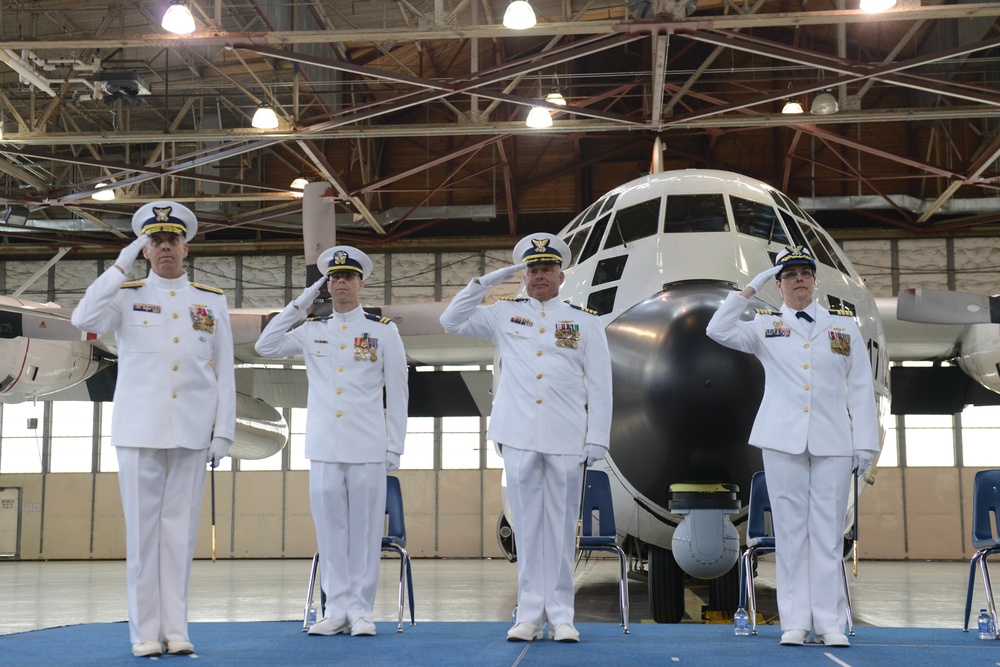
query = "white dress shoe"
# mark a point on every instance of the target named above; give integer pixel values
(179, 647)
(564, 632)
(793, 637)
(328, 626)
(147, 649)
(835, 639)
(362, 627)
(524, 632)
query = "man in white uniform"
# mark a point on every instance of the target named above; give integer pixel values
(352, 438)
(175, 408)
(816, 422)
(551, 417)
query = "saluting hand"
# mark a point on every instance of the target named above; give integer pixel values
(128, 254)
(494, 278)
(762, 278)
(309, 294)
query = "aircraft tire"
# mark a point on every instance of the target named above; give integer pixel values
(666, 586)
(724, 591)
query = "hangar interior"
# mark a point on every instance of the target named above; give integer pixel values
(414, 113)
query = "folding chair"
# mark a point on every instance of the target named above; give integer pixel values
(394, 540)
(760, 539)
(985, 508)
(601, 536)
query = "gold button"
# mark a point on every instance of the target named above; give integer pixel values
(805, 365)
(173, 293)
(539, 353)
(175, 316)
(542, 330)
(338, 413)
(175, 367)
(341, 346)
(177, 340)
(343, 326)
(805, 409)
(539, 376)
(339, 392)
(806, 387)
(538, 400)
(543, 313)
(173, 394)
(340, 369)
(806, 345)
(145, 322)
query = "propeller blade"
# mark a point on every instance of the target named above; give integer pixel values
(931, 306)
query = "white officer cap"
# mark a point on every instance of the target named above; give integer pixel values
(344, 258)
(165, 216)
(542, 247)
(794, 255)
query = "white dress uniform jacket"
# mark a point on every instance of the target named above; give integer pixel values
(175, 385)
(555, 385)
(346, 422)
(818, 391)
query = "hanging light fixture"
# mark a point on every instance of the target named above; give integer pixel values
(178, 19)
(299, 183)
(555, 97)
(264, 118)
(824, 104)
(519, 15)
(539, 118)
(104, 192)
(791, 107)
(876, 5)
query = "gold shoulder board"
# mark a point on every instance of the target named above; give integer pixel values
(586, 310)
(767, 311)
(207, 288)
(841, 311)
(133, 284)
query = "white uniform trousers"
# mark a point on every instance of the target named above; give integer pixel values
(544, 495)
(161, 496)
(348, 509)
(809, 496)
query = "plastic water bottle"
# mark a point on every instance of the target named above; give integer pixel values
(741, 623)
(312, 614)
(985, 625)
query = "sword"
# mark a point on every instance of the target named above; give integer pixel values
(213, 513)
(855, 522)
(583, 494)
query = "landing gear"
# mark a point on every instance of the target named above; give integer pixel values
(505, 536)
(724, 591)
(666, 586)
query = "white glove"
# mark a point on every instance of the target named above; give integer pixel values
(218, 450)
(309, 294)
(863, 459)
(128, 254)
(593, 453)
(762, 278)
(391, 462)
(494, 278)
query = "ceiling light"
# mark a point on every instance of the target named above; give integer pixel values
(539, 118)
(265, 118)
(877, 5)
(104, 192)
(519, 15)
(177, 19)
(299, 183)
(791, 107)
(824, 104)
(555, 97)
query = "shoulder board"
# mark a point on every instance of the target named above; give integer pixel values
(586, 310)
(316, 318)
(133, 284)
(206, 288)
(841, 311)
(510, 298)
(767, 311)
(376, 318)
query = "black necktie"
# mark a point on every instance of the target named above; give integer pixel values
(803, 315)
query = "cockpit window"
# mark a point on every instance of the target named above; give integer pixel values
(575, 243)
(695, 213)
(592, 212)
(609, 202)
(757, 220)
(634, 223)
(822, 249)
(594, 242)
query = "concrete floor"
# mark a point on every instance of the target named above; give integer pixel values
(38, 595)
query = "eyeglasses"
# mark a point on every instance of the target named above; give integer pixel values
(805, 273)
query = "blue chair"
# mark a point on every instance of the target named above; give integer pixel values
(985, 509)
(602, 535)
(394, 540)
(760, 538)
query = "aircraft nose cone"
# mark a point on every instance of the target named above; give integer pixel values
(683, 404)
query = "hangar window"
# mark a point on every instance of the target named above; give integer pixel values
(594, 242)
(757, 220)
(602, 301)
(634, 223)
(609, 270)
(695, 213)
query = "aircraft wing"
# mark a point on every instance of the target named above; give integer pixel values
(935, 306)
(910, 340)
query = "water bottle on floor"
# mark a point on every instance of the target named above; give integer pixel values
(985, 625)
(741, 623)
